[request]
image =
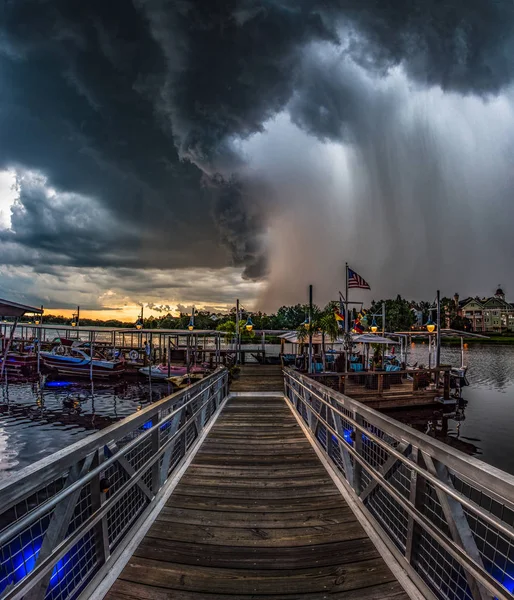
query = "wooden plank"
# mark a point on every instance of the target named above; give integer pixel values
(129, 590)
(306, 518)
(219, 491)
(236, 581)
(257, 484)
(300, 557)
(287, 537)
(252, 505)
(256, 472)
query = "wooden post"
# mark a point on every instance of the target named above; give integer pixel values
(415, 381)
(446, 385)
(380, 384)
(169, 356)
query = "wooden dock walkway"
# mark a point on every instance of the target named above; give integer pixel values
(256, 516)
(259, 378)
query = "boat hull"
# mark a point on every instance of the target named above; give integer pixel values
(82, 368)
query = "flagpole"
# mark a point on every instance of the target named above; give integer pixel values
(346, 322)
(346, 301)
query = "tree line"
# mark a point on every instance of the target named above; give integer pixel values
(401, 315)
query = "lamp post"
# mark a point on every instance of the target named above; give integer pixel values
(140, 322)
(438, 339)
(75, 320)
(311, 364)
(237, 331)
(191, 325)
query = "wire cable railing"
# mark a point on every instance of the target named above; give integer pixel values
(447, 517)
(62, 518)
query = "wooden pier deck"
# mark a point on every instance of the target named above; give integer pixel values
(259, 378)
(256, 515)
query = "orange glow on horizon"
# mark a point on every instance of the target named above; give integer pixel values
(128, 314)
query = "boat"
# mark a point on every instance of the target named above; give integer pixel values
(458, 378)
(161, 371)
(20, 365)
(74, 358)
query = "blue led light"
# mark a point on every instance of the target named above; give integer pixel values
(58, 384)
(146, 425)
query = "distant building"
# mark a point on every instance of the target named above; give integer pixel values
(488, 315)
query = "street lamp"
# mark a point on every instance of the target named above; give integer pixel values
(249, 324)
(191, 325)
(75, 318)
(139, 322)
(430, 325)
(374, 326)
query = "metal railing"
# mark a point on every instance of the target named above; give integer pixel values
(447, 517)
(63, 517)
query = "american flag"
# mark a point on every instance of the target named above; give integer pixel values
(356, 281)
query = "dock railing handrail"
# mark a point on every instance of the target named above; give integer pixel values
(62, 518)
(448, 517)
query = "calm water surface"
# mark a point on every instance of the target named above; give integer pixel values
(484, 425)
(34, 425)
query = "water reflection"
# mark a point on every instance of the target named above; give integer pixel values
(483, 424)
(36, 421)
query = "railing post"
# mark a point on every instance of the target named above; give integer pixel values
(380, 384)
(415, 381)
(357, 445)
(97, 499)
(416, 499)
(446, 385)
(156, 444)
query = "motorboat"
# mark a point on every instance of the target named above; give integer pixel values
(19, 364)
(458, 378)
(162, 372)
(75, 359)
(181, 381)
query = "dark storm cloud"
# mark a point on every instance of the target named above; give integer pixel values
(140, 106)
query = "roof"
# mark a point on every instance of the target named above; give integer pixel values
(444, 333)
(371, 338)
(15, 309)
(292, 338)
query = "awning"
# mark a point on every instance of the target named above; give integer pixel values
(371, 338)
(444, 333)
(14, 309)
(291, 337)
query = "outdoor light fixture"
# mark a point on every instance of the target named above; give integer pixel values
(73, 321)
(37, 321)
(306, 323)
(374, 326)
(249, 324)
(191, 325)
(430, 325)
(139, 324)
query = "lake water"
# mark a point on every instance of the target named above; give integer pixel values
(34, 425)
(484, 425)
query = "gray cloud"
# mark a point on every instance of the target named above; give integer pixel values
(138, 114)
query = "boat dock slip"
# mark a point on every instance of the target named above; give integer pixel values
(256, 514)
(294, 493)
